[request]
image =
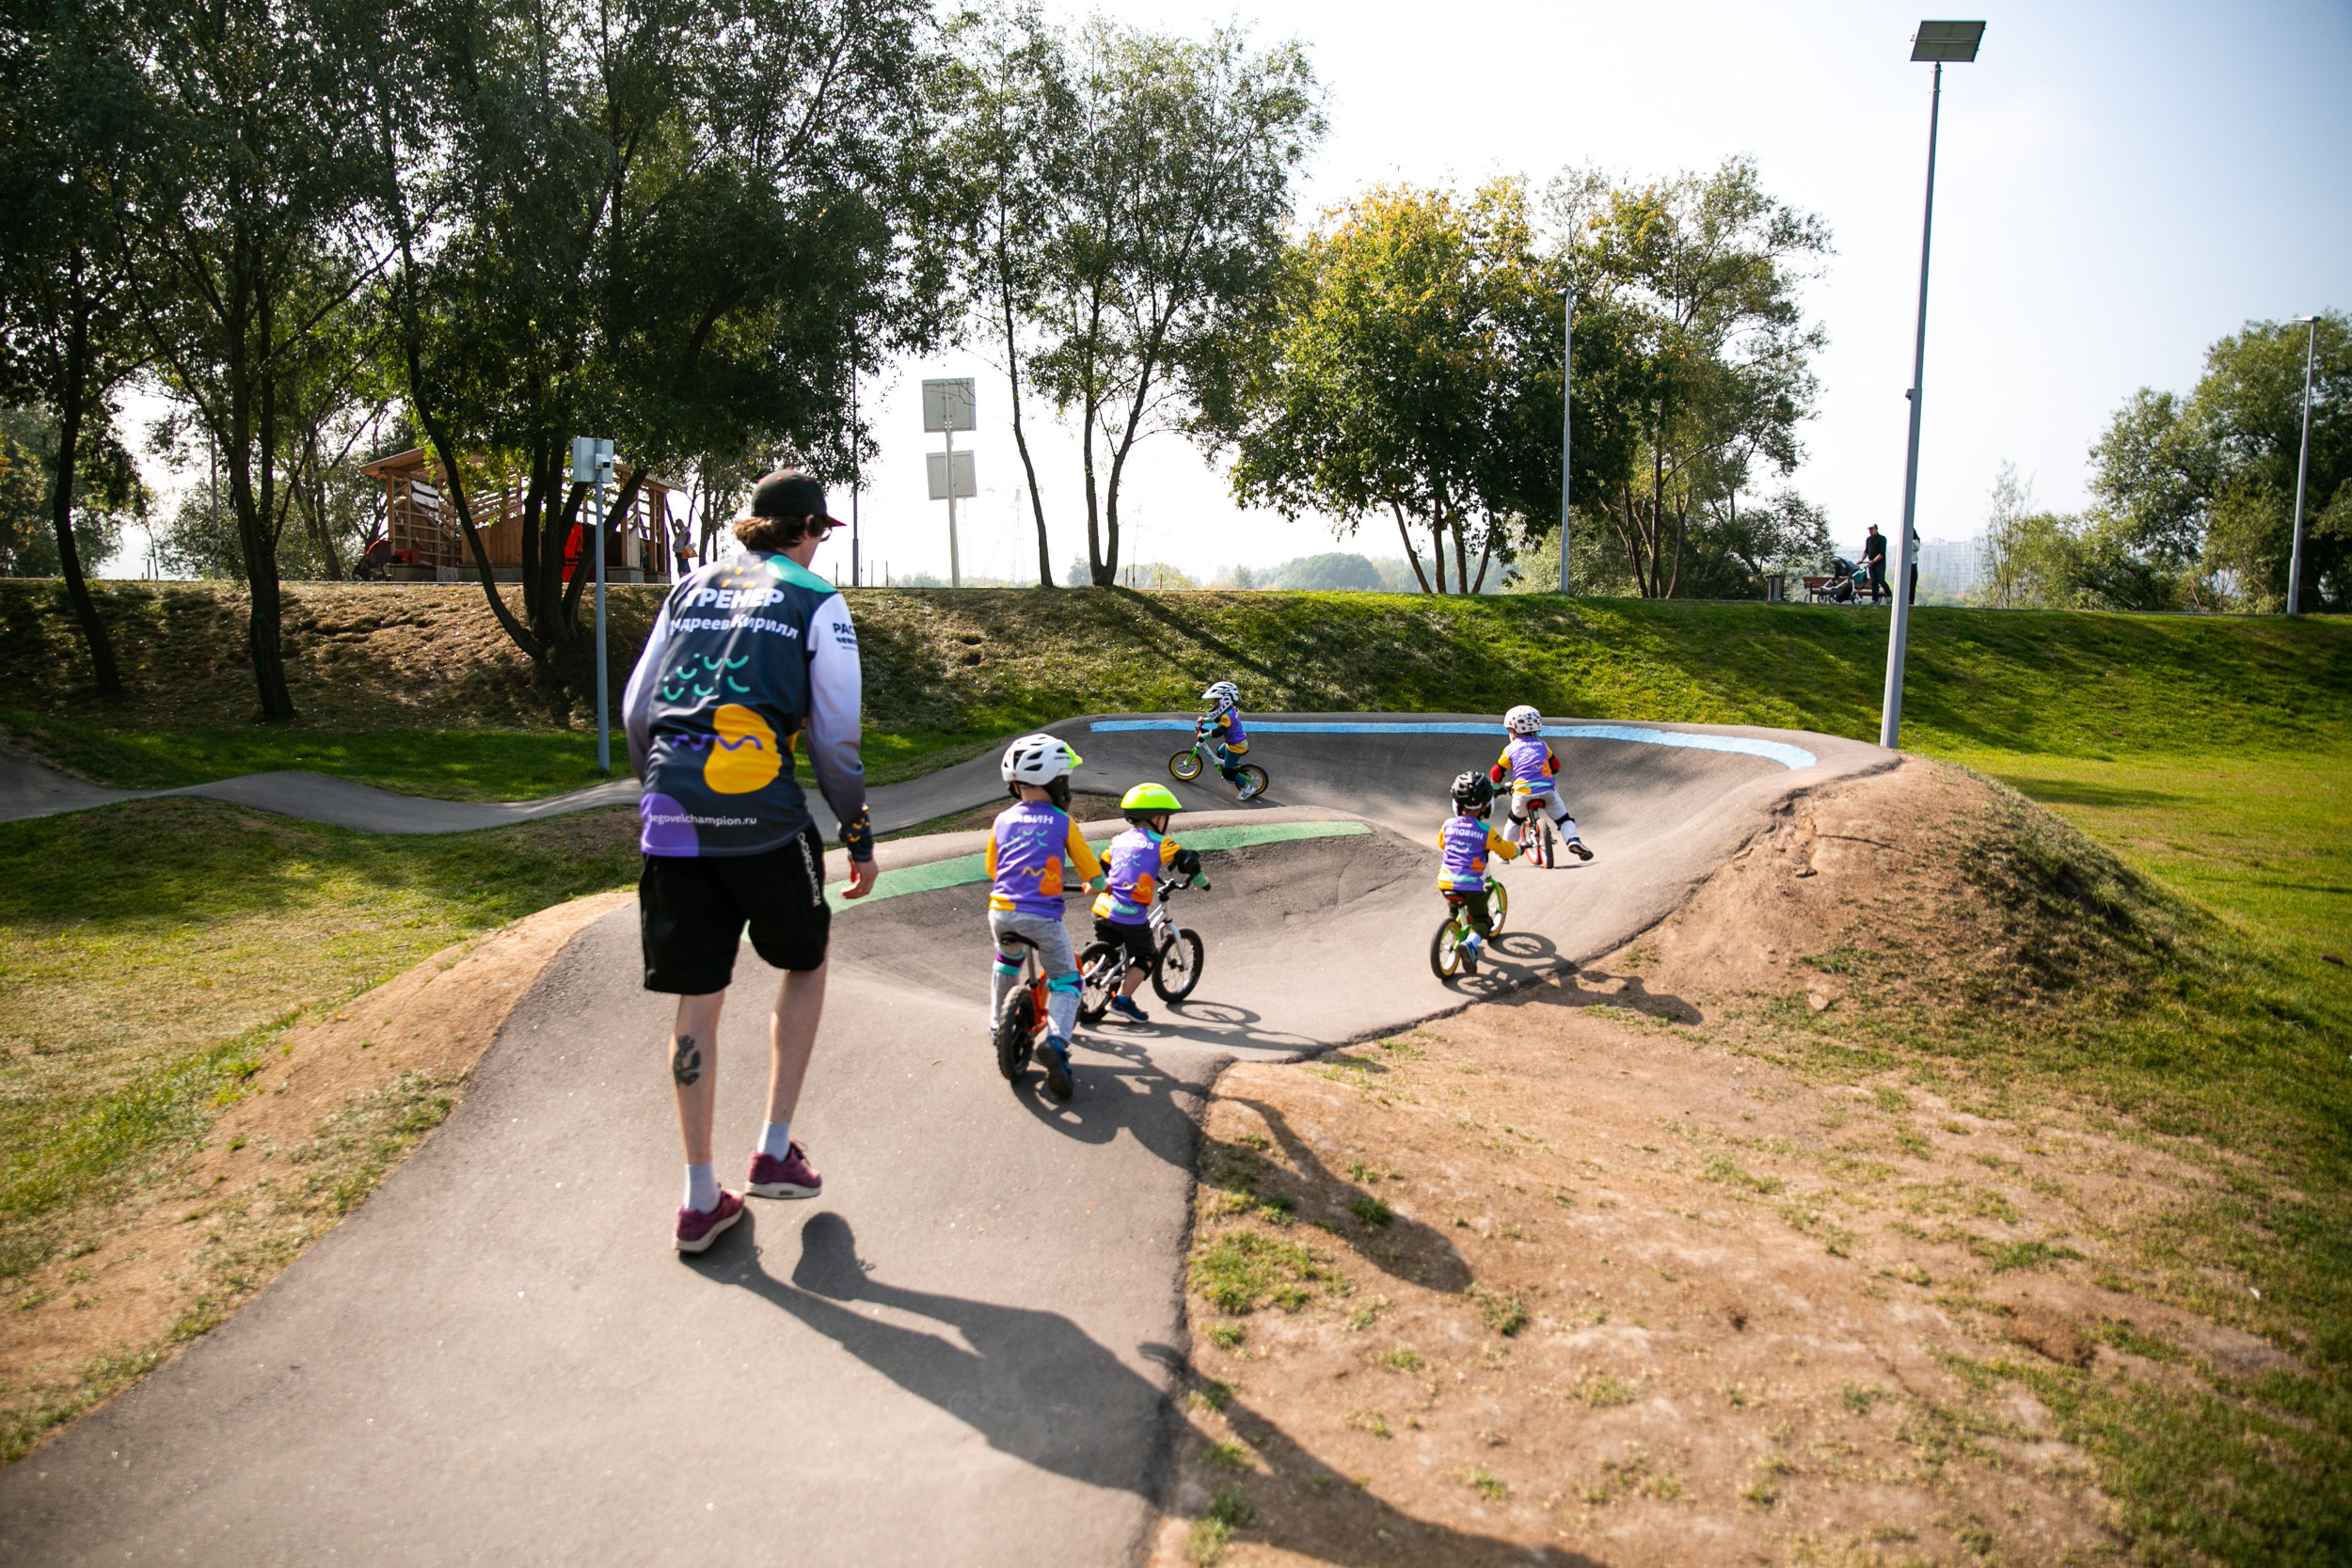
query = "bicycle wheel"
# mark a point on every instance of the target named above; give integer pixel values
(1253, 780)
(1179, 968)
(1103, 965)
(1013, 1031)
(1445, 950)
(1545, 859)
(1186, 764)
(1497, 906)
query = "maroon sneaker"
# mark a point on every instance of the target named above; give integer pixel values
(696, 1229)
(791, 1176)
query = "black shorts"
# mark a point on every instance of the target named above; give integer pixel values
(692, 910)
(1482, 918)
(1136, 940)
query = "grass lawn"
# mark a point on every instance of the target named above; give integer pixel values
(149, 946)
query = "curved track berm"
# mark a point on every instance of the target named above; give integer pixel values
(960, 1353)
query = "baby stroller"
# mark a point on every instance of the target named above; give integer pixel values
(1847, 581)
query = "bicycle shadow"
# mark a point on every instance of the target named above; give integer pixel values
(1515, 960)
(1033, 1384)
(1159, 1108)
(1227, 1026)
(1399, 1247)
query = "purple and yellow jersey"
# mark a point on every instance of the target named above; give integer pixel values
(1135, 860)
(1025, 857)
(1528, 764)
(1226, 726)
(1467, 842)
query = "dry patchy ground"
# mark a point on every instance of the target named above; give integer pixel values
(1609, 1272)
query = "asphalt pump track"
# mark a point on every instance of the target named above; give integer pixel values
(963, 1352)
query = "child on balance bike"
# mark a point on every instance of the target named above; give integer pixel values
(1025, 851)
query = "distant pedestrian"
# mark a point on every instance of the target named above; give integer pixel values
(1874, 560)
(746, 655)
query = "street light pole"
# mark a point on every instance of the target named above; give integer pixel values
(1938, 41)
(2302, 473)
(1567, 380)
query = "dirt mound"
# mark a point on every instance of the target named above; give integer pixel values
(1614, 1271)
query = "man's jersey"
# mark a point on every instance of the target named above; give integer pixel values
(1226, 725)
(750, 661)
(1467, 842)
(1025, 858)
(1135, 860)
(1528, 764)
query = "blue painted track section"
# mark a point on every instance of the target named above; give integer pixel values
(1790, 757)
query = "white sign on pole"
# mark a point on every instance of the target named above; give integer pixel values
(949, 405)
(940, 463)
(591, 460)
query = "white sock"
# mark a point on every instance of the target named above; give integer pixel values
(702, 1188)
(776, 1139)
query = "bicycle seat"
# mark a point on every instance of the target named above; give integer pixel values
(1013, 939)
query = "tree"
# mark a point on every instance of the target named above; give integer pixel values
(107, 494)
(242, 252)
(1010, 155)
(1169, 233)
(70, 129)
(1696, 281)
(2201, 489)
(1406, 356)
(681, 225)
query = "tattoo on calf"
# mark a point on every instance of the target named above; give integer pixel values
(685, 1063)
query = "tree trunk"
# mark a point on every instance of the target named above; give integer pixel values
(74, 394)
(1437, 552)
(263, 616)
(1412, 556)
(1019, 436)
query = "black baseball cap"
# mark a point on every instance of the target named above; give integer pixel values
(791, 493)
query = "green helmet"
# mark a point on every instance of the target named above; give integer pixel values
(1150, 797)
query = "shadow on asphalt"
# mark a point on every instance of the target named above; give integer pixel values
(1033, 1384)
(1144, 1100)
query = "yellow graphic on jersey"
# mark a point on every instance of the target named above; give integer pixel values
(744, 755)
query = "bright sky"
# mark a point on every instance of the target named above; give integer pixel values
(2117, 186)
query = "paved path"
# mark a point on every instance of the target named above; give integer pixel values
(960, 1354)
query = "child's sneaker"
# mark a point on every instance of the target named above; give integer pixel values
(1576, 847)
(697, 1229)
(1125, 1008)
(791, 1176)
(1057, 1080)
(1474, 949)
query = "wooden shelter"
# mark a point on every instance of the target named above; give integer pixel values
(427, 544)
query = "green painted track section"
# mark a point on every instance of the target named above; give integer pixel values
(973, 869)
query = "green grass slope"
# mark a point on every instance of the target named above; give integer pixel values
(2209, 750)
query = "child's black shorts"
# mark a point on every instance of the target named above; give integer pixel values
(1481, 915)
(1136, 940)
(692, 910)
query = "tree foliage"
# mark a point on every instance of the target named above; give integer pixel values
(2196, 493)
(1123, 198)
(679, 224)
(1696, 281)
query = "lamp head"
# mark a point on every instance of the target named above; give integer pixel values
(1955, 42)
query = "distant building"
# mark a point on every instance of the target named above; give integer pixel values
(1953, 564)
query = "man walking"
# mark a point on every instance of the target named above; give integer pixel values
(1874, 559)
(750, 661)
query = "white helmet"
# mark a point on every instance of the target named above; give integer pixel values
(1523, 720)
(1038, 759)
(1222, 694)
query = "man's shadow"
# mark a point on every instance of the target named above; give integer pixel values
(1033, 1383)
